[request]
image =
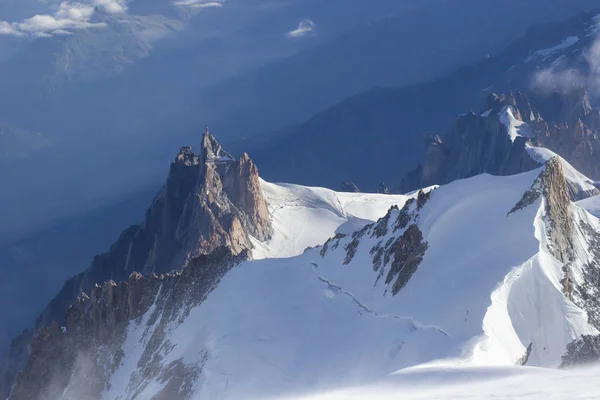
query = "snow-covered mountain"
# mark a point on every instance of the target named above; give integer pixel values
(563, 122)
(484, 271)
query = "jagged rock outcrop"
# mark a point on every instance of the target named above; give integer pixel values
(209, 200)
(76, 361)
(348, 187)
(397, 259)
(585, 350)
(383, 189)
(558, 211)
(495, 141)
(242, 186)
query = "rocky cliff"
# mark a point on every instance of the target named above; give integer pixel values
(496, 140)
(210, 200)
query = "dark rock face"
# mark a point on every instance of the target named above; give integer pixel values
(585, 350)
(523, 360)
(475, 145)
(348, 187)
(75, 362)
(562, 122)
(396, 259)
(383, 189)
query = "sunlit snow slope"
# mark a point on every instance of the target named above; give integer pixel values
(307, 216)
(470, 276)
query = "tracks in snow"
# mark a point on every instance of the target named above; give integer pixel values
(414, 324)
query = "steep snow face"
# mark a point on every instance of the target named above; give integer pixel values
(515, 127)
(462, 276)
(307, 216)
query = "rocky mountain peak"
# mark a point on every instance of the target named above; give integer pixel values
(382, 188)
(496, 140)
(186, 156)
(566, 107)
(211, 203)
(209, 200)
(211, 150)
(348, 187)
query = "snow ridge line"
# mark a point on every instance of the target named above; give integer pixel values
(415, 325)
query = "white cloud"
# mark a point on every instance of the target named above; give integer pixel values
(66, 18)
(586, 73)
(304, 28)
(7, 29)
(199, 3)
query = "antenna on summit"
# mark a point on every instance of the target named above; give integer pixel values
(206, 130)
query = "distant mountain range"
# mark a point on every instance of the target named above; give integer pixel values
(393, 124)
(244, 68)
(371, 137)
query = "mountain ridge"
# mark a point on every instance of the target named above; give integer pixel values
(400, 248)
(500, 138)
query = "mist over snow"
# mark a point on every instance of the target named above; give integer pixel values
(443, 383)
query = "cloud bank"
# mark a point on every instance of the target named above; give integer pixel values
(66, 18)
(304, 28)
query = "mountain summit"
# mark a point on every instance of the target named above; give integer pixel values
(503, 137)
(209, 200)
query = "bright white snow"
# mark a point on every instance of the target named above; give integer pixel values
(514, 126)
(307, 216)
